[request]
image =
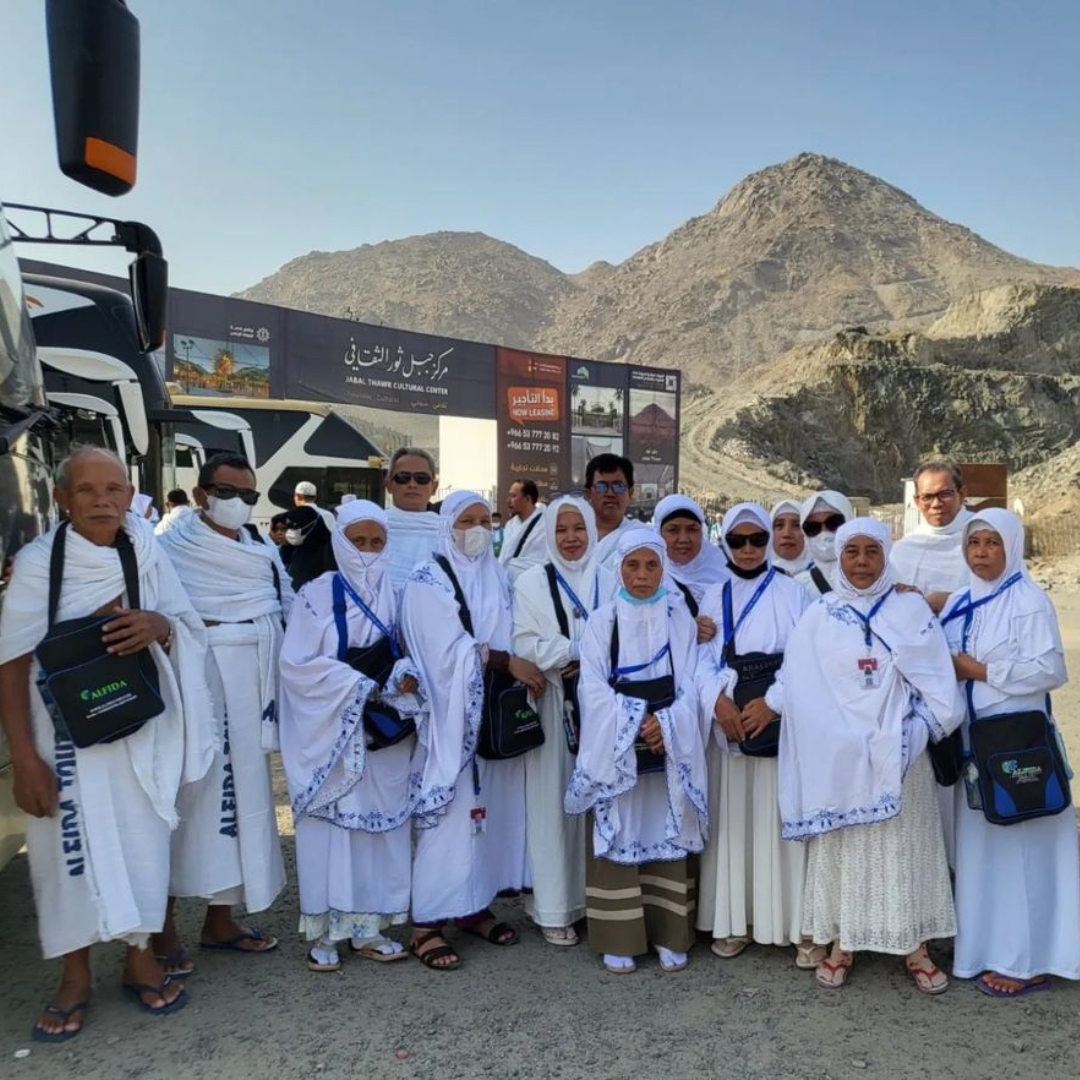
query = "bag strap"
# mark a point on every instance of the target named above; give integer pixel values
(338, 592)
(614, 649)
(459, 596)
(688, 596)
(129, 565)
(556, 599)
(820, 580)
(728, 651)
(525, 536)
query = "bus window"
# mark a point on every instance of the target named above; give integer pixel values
(331, 483)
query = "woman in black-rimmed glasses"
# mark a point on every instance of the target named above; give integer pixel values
(821, 517)
(751, 886)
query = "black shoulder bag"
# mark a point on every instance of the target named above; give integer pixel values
(509, 725)
(820, 580)
(571, 709)
(383, 724)
(656, 693)
(95, 696)
(755, 673)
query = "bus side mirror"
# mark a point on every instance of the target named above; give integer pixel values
(94, 61)
(149, 276)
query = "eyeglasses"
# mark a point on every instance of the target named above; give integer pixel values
(831, 524)
(757, 540)
(227, 491)
(420, 478)
(931, 497)
(616, 487)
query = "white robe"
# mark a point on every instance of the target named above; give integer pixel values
(751, 879)
(556, 840)
(461, 860)
(1017, 887)
(931, 558)
(351, 806)
(172, 519)
(100, 866)
(411, 537)
(605, 547)
(534, 551)
(654, 817)
(227, 849)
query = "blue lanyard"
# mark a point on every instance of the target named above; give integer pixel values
(375, 620)
(967, 611)
(579, 608)
(729, 630)
(633, 669)
(868, 633)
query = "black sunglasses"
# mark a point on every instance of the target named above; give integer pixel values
(602, 487)
(831, 523)
(227, 491)
(415, 477)
(757, 539)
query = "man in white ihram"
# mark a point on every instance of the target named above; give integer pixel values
(99, 817)
(524, 537)
(226, 850)
(412, 528)
(930, 557)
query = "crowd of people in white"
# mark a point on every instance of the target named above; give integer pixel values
(774, 736)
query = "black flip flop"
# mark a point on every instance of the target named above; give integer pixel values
(176, 959)
(492, 936)
(136, 990)
(247, 933)
(38, 1035)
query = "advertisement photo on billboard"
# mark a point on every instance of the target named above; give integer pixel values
(596, 410)
(583, 448)
(218, 368)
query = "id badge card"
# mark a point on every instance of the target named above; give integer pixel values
(869, 675)
(478, 815)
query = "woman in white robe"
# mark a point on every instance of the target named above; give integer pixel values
(821, 515)
(350, 803)
(867, 681)
(751, 879)
(556, 840)
(640, 874)
(789, 550)
(1017, 888)
(469, 812)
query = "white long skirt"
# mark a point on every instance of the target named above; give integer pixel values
(883, 887)
(751, 882)
(458, 867)
(1017, 895)
(354, 884)
(556, 840)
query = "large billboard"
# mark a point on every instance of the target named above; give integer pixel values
(537, 416)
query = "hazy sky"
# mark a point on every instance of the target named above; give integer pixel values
(576, 129)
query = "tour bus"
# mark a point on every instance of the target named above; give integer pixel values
(290, 441)
(93, 55)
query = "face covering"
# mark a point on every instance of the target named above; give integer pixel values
(822, 547)
(295, 537)
(630, 598)
(472, 542)
(228, 513)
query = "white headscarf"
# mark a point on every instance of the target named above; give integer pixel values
(747, 513)
(482, 579)
(581, 574)
(1011, 530)
(819, 547)
(636, 537)
(790, 566)
(709, 566)
(874, 530)
(366, 572)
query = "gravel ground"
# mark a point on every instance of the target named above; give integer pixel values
(533, 1010)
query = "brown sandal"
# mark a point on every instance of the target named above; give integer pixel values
(427, 957)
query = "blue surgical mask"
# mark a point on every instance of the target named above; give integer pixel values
(631, 599)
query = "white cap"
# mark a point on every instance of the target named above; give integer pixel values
(305, 488)
(348, 497)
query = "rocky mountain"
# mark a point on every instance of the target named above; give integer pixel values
(464, 285)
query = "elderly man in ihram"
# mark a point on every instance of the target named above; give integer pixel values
(100, 814)
(226, 850)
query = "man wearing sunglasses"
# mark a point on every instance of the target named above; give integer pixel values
(930, 558)
(609, 487)
(226, 849)
(822, 514)
(412, 526)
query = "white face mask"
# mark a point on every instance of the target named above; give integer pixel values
(822, 547)
(294, 537)
(472, 542)
(228, 513)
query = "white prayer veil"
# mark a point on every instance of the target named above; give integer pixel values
(873, 530)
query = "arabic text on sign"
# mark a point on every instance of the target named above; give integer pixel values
(386, 358)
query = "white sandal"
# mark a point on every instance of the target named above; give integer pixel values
(563, 936)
